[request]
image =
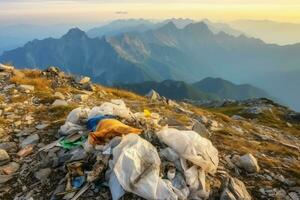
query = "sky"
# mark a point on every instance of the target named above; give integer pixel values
(100, 11)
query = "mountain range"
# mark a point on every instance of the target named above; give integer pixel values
(208, 89)
(282, 33)
(167, 52)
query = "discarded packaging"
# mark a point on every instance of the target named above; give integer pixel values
(70, 128)
(93, 122)
(136, 165)
(191, 146)
(77, 115)
(109, 128)
(115, 107)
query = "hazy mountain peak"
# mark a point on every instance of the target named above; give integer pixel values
(198, 27)
(74, 32)
(169, 26)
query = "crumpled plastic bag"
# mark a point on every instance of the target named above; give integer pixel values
(191, 146)
(69, 128)
(77, 115)
(116, 107)
(93, 122)
(136, 165)
(109, 128)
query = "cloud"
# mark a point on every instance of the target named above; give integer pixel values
(121, 12)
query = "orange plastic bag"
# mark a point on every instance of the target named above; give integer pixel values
(109, 128)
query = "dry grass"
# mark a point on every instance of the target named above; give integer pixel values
(60, 112)
(124, 94)
(228, 110)
(20, 98)
(2, 98)
(32, 78)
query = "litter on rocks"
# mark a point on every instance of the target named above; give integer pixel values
(109, 128)
(191, 146)
(93, 122)
(99, 147)
(116, 107)
(136, 165)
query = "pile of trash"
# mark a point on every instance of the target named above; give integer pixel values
(101, 146)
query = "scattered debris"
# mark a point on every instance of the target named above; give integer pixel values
(49, 151)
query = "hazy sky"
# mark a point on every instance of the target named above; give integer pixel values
(92, 11)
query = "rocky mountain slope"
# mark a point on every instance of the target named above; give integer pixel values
(167, 52)
(44, 153)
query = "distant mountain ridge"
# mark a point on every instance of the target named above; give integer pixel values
(188, 54)
(228, 90)
(208, 89)
(118, 27)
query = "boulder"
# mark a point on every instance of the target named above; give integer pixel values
(153, 95)
(248, 162)
(4, 157)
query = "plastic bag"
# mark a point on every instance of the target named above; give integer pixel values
(69, 128)
(191, 146)
(115, 107)
(109, 128)
(136, 165)
(94, 121)
(77, 115)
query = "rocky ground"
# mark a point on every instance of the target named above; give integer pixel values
(258, 141)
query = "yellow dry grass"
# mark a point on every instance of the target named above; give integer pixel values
(32, 78)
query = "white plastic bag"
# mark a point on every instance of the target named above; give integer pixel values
(191, 146)
(77, 115)
(136, 165)
(115, 107)
(69, 128)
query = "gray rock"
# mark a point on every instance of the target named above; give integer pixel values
(10, 147)
(32, 139)
(201, 129)
(4, 157)
(235, 190)
(294, 196)
(248, 162)
(8, 87)
(237, 117)
(41, 126)
(42, 174)
(227, 195)
(10, 168)
(59, 102)
(153, 95)
(5, 178)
